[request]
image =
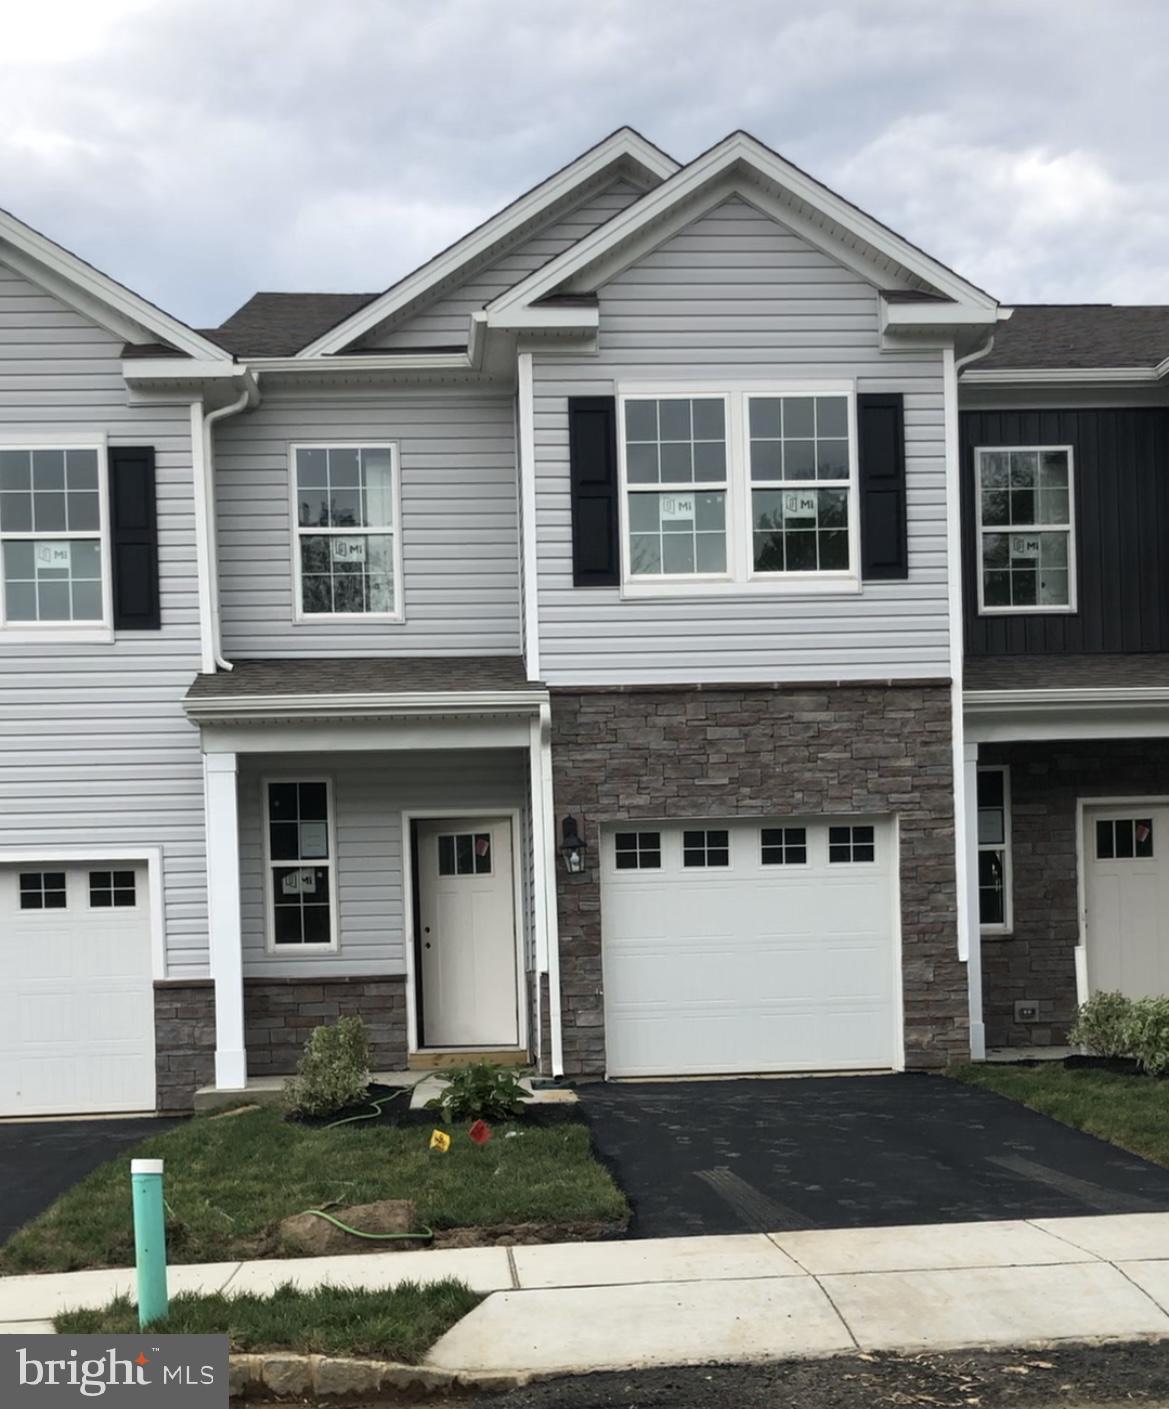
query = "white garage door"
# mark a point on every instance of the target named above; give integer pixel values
(76, 993)
(749, 946)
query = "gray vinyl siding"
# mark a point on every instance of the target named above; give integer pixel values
(460, 553)
(734, 297)
(446, 320)
(370, 792)
(94, 745)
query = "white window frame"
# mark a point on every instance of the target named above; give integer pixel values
(1008, 922)
(740, 578)
(299, 616)
(292, 951)
(1069, 528)
(19, 632)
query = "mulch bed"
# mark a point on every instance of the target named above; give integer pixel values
(397, 1112)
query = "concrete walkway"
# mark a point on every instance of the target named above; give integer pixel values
(570, 1307)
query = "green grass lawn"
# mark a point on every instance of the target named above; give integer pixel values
(1129, 1111)
(400, 1324)
(230, 1180)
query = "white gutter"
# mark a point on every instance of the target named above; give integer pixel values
(406, 704)
(250, 396)
(1072, 376)
(1003, 701)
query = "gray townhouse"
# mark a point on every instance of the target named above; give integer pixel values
(682, 628)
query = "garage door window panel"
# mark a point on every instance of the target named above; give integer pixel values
(637, 851)
(112, 889)
(783, 846)
(300, 855)
(42, 890)
(851, 845)
(701, 848)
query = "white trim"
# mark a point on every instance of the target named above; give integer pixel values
(204, 554)
(529, 546)
(898, 316)
(544, 854)
(330, 863)
(898, 991)
(79, 855)
(624, 144)
(740, 578)
(1069, 608)
(93, 285)
(737, 148)
(413, 979)
(42, 632)
(224, 931)
(179, 369)
(374, 362)
(405, 705)
(1003, 701)
(322, 737)
(1040, 376)
(1084, 805)
(1008, 921)
(299, 616)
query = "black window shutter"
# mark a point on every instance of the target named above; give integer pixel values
(134, 538)
(592, 453)
(881, 428)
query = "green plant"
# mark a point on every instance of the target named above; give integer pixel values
(334, 1071)
(1146, 1034)
(482, 1091)
(1100, 1025)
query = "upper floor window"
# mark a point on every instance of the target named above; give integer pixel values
(1026, 520)
(52, 530)
(348, 552)
(735, 487)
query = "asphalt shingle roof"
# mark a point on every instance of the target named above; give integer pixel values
(278, 325)
(1080, 335)
(361, 675)
(1072, 672)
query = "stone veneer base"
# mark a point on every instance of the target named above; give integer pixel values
(715, 751)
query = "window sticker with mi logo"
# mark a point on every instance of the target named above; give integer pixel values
(118, 1372)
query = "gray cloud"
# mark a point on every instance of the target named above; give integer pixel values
(199, 150)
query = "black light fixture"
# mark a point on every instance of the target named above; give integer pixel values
(572, 846)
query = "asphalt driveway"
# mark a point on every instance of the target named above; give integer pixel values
(848, 1152)
(41, 1159)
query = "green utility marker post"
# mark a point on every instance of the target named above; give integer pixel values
(149, 1240)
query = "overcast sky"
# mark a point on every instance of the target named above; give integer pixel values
(200, 150)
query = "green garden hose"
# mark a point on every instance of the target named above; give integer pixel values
(375, 1109)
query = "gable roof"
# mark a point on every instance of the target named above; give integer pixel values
(82, 286)
(621, 149)
(1080, 335)
(279, 324)
(812, 208)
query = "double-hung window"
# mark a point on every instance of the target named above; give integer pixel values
(748, 488)
(1026, 528)
(53, 572)
(994, 850)
(347, 550)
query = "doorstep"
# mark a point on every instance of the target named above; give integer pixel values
(268, 1090)
(1030, 1054)
(438, 1058)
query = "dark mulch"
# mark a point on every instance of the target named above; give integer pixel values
(394, 1109)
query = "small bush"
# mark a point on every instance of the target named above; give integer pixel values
(1146, 1034)
(480, 1092)
(1100, 1025)
(334, 1071)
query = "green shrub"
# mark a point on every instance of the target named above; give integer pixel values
(334, 1071)
(480, 1092)
(1146, 1034)
(1100, 1025)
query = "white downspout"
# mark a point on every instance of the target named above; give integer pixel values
(969, 936)
(250, 396)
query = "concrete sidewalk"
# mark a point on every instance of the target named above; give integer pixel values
(570, 1307)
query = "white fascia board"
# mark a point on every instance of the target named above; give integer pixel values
(1161, 370)
(624, 144)
(210, 708)
(375, 362)
(178, 369)
(936, 315)
(572, 320)
(1049, 376)
(1004, 701)
(737, 148)
(71, 273)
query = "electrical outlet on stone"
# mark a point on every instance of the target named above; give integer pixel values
(1026, 1010)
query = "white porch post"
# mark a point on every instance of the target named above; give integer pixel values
(544, 875)
(223, 915)
(974, 932)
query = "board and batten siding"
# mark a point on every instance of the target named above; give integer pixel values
(460, 528)
(733, 297)
(445, 321)
(94, 745)
(370, 793)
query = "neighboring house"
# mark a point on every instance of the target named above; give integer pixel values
(639, 640)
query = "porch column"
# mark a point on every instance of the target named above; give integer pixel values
(974, 931)
(544, 876)
(223, 916)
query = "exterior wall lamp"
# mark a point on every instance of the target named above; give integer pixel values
(572, 846)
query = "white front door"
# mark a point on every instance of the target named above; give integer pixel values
(467, 920)
(1126, 894)
(76, 989)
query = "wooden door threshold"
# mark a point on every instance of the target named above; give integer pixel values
(435, 1058)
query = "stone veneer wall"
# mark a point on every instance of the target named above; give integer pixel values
(663, 753)
(279, 1013)
(1037, 961)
